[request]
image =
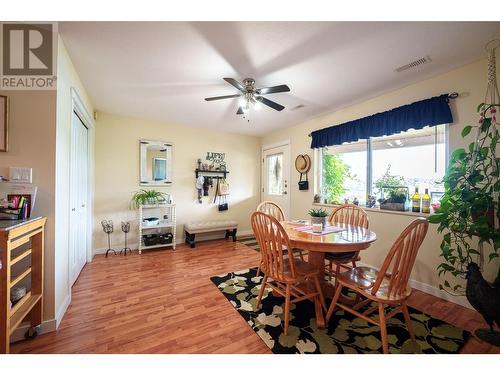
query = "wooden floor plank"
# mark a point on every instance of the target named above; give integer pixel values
(164, 302)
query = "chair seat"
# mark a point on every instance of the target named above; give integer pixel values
(302, 269)
(346, 257)
(363, 278)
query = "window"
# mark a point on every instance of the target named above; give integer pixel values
(274, 174)
(344, 172)
(415, 158)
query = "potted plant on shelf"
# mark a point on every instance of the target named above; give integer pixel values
(466, 217)
(397, 198)
(318, 216)
(145, 197)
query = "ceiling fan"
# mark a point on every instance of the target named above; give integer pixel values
(250, 95)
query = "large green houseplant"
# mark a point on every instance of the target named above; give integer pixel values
(468, 218)
(470, 202)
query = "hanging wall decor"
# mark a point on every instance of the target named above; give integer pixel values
(303, 165)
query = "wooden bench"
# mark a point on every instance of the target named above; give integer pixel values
(196, 227)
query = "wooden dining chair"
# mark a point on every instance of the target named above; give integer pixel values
(287, 276)
(273, 209)
(388, 286)
(347, 214)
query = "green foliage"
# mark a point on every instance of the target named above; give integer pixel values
(144, 197)
(335, 173)
(318, 212)
(466, 215)
(388, 179)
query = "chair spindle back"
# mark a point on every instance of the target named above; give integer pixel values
(349, 214)
(273, 240)
(272, 209)
(399, 261)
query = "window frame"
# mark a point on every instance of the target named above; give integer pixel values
(318, 164)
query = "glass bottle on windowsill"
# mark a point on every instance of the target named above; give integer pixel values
(415, 201)
(426, 202)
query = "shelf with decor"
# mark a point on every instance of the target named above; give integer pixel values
(157, 226)
(198, 172)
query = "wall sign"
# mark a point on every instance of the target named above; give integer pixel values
(216, 157)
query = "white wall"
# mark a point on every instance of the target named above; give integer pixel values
(470, 82)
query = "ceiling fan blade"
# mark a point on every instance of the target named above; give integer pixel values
(240, 111)
(222, 97)
(270, 103)
(272, 90)
(235, 83)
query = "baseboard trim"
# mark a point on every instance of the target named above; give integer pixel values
(62, 310)
(180, 240)
(432, 290)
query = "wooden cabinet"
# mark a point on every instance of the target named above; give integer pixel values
(21, 256)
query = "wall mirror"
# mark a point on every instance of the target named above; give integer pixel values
(155, 162)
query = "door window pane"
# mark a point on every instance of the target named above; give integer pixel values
(275, 174)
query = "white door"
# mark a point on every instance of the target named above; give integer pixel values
(276, 176)
(78, 198)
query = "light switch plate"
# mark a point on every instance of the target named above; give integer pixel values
(19, 174)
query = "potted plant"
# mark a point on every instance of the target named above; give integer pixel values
(318, 216)
(466, 217)
(145, 197)
(397, 198)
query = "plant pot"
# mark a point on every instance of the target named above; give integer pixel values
(393, 206)
(318, 220)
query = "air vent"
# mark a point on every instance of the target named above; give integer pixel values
(413, 64)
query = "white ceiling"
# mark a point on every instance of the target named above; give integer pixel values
(164, 70)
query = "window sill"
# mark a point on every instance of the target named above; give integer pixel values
(404, 213)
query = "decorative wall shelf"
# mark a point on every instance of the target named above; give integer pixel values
(210, 173)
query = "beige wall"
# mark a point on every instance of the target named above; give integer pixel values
(32, 138)
(67, 80)
(117, 173)
(470, 82)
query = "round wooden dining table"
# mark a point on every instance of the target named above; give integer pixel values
(351, 238)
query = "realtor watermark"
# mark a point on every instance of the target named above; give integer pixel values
(28, 56)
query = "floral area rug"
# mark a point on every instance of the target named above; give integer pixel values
(345, 333)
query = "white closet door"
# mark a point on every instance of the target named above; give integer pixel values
(78, 198)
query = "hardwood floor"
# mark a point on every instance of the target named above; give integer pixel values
(164, 302)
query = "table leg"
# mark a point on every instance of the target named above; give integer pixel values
(317, 259)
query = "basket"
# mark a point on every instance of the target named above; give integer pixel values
(150, 239)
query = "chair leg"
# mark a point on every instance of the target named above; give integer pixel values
(287, 308)
(258, 270)
(261, 292)
(383, 328)
(337, 271)
(301, 256)
(334, 302)
(330, 270)
(320, 292)
(409, 325)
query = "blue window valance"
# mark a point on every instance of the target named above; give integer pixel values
(428, 112)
